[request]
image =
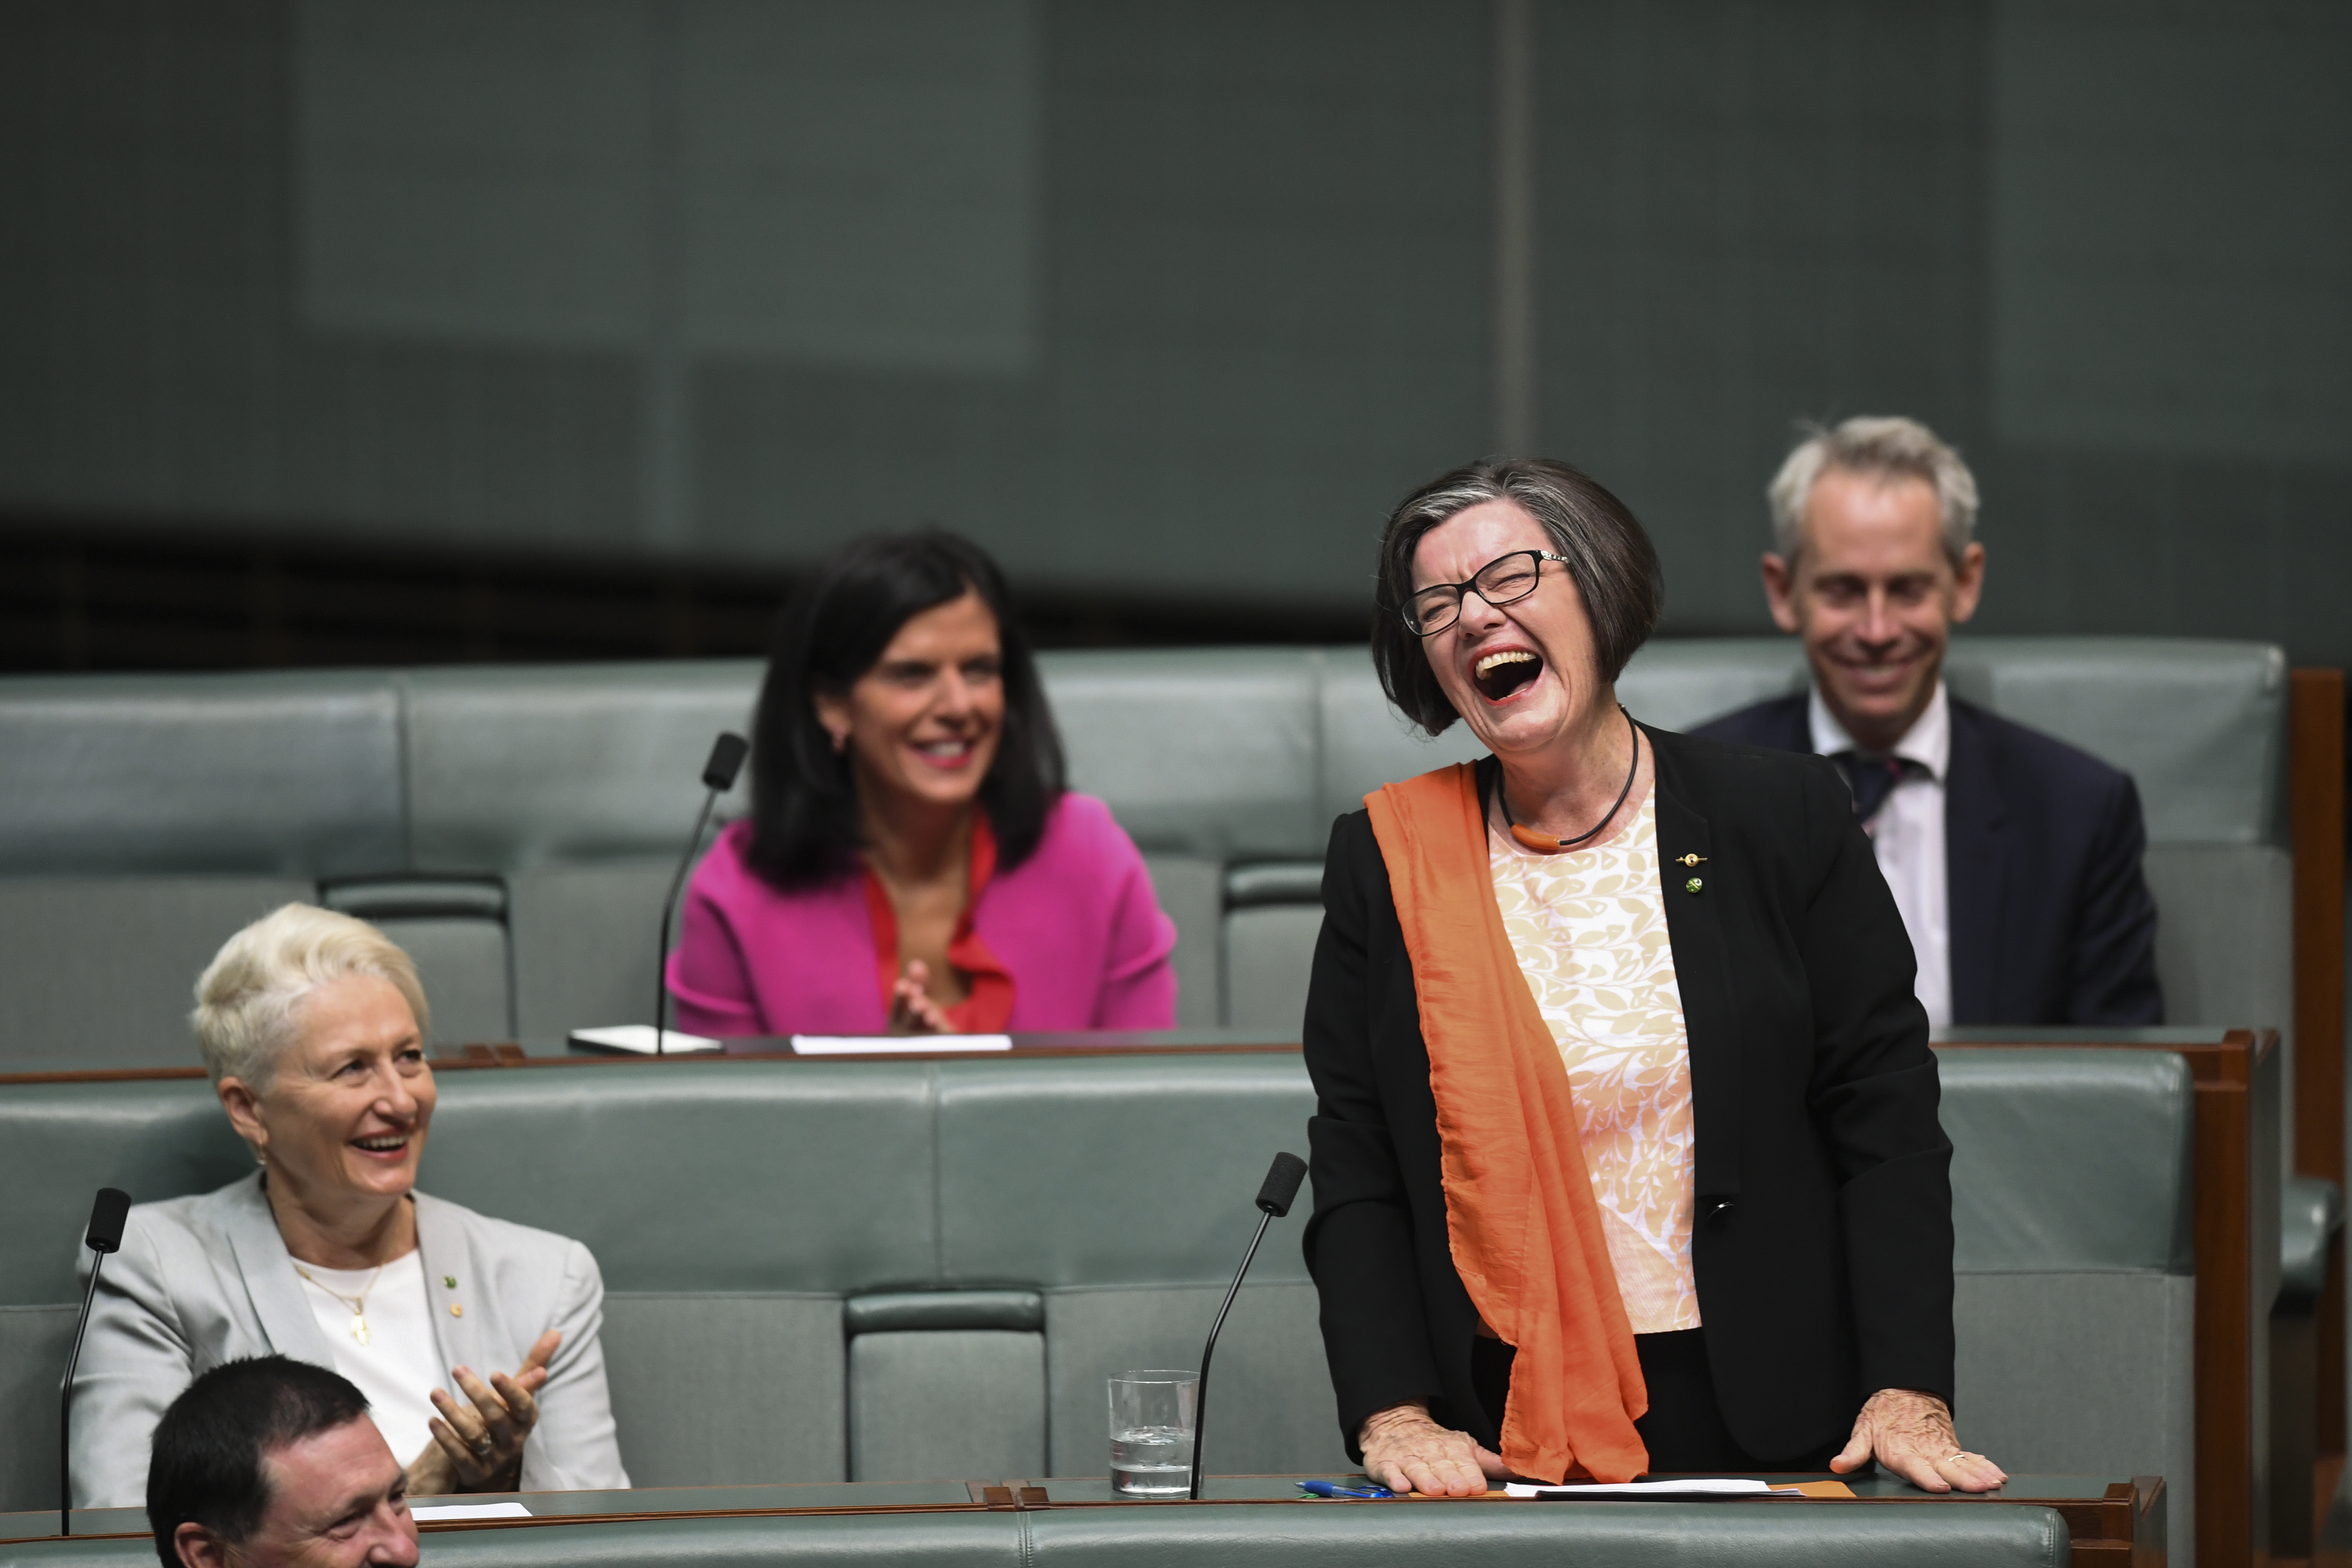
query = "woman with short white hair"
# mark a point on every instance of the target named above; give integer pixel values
(312, 1026)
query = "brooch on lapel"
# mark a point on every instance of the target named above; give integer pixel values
(1686, 861)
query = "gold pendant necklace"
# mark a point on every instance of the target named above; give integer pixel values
(358, 1304)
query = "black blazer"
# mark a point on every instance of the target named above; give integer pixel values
(1823, 1242)
(2051, 921)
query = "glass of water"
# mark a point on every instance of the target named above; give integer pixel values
(1151, 1433)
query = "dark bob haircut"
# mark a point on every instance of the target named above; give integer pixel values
(833, 630)
(207, 1466)
(1609, 560)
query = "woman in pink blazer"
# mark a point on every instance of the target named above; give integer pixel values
(912, 862)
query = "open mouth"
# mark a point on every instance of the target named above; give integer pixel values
(382, 1143)
(956, 752)
(1500, 673)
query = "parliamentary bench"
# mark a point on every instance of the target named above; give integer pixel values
(515, 826)
(825, 1271)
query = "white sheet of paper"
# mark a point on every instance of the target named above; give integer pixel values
(639, 1038)
(1725, 1485)
(884, 1045)
(469, 1510)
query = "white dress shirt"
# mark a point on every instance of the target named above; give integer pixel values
(1908, 835)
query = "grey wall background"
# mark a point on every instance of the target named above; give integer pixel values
(1175, 299)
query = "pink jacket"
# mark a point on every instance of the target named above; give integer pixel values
(1076, 923)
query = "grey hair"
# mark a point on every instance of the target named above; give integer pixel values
(1609, 560)
(248, 997)
(1877, 444)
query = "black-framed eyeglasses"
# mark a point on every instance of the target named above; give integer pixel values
(1505, 580)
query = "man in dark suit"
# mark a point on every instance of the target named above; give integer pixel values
(2014, 859)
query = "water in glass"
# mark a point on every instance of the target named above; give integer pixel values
(1151, 1461)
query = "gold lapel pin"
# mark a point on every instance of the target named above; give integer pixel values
(1690, 860)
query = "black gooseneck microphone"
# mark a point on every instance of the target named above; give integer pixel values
(727, 754)
(104, 1235)
(1274, 1201)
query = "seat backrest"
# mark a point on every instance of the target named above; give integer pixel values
(2075, 1287)
(273, 775)
(1203, 750)
(100, 972)
(972, 1248)
(574, 784)
(142, 819)
(512, 766)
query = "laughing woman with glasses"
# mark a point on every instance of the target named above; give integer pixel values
(1625, 1149)
(912, 862)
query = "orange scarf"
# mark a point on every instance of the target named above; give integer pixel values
(1519, 1213)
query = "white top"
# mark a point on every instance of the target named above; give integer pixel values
(1908, 836)
(1589, 930)
(400, 1364)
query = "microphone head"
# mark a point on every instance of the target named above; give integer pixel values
(727, 754)
(106, 1220)
(1282, 1185)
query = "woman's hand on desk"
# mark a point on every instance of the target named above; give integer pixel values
(1406, 1451)
(912, 1010)
(477, 1446)
(1910, 1434)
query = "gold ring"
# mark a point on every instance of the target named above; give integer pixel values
(482, 1447)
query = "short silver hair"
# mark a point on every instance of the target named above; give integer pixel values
(250, 997)
(1885, 445)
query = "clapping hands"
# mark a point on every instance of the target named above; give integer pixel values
(912, 1010)
(477, 1446)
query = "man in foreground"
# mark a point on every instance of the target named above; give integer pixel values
(273, 1461)
(2013, 857)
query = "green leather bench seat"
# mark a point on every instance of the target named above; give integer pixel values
(1405, 1534)
(870, 1270)
(2076, 1292)
(142, 819)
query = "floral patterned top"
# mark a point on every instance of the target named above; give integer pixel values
(1589, 928)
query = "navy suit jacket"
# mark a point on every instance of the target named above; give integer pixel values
(2051, 921)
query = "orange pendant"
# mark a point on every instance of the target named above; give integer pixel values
(1537, 842)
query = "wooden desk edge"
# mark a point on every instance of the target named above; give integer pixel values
(2092, 1522)
(493, 1058)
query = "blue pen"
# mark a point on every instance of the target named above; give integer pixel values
(1333, 1488)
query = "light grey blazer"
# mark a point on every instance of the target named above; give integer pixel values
(203, 1281)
